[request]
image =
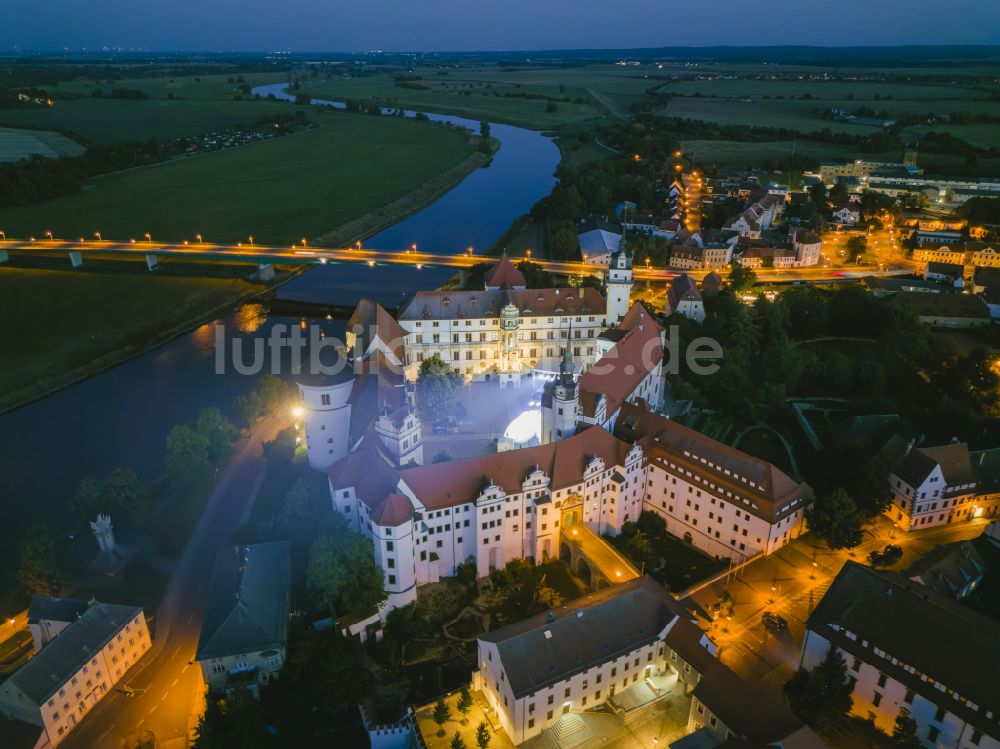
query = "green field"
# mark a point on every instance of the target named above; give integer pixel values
(213, 87)
(117, 120)
(300, 185)
(64, 325)
(20, 144)
(500, 95)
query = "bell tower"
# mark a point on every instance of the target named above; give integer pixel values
(618, 284)
(559, 416)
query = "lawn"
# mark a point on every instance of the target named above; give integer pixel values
(63, 325)
(117, 120)
(677, 565)
(300, 185)
(20, 144)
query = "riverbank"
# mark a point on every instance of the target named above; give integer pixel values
(381, 218)
(94, 319)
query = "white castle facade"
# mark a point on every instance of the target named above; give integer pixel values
(606, 455)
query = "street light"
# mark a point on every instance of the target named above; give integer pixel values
(98, 236)
(148, 236)
(49, 235)
(3, 234)
(251, 240)
(528, 252)
(198, 237)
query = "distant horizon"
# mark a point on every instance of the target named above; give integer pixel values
(456, 26)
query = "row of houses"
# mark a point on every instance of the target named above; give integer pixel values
(975, 253)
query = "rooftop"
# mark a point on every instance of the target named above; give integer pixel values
(40, 677)
(247, 609)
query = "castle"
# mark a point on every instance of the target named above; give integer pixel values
(605, 457)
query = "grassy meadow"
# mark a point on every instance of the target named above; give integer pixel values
(300, 185)
(20, 144)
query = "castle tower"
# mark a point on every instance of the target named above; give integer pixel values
(399, 430)
(618, 283)
(510, 358)
(561, 402)
(910, 155)
(326, 416)
(394, 541)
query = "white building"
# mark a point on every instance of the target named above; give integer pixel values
(50, 615)
(939, 485)
(598, 245)
(617, 647)
(910, 648)
(76, 669)
(684, 298)
(723, 501)
(847, 215)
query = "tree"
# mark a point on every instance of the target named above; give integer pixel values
(118, 494)
(484, 129)
(248, 408)
(457, 742)
(823, 693)
(42, 570)
(280, 451)
(301, 510)
(835, 518)
(856, 247)
(341, 572)
(441, 714)
(465, 704)
(904, 732)
(741, 278)
(275, 394)
(838, 194)
(188, 457)
(217, 430)
(724, 603)
(483, 736)
(437, 389)
(442, 456)
(565, 243)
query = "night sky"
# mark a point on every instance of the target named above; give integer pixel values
(423, 25)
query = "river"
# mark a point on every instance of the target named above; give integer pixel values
(122, 416)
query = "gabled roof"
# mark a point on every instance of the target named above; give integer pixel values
(730, 473)
(452, 305)
(247, 609)
(618, 373)
(370, 321)
(943, 305)
(55, 609)
(585, 632)
(955, 270)
(599, 242)
(65, 655)
(461, 481)
(885, 610)
(954, 459)
(503, 275)
(367, 471)
(682, 289)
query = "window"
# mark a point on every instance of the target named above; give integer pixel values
(881, 680)
(324, 399)
(939, 715)
(877, 700)
(392, 579)
(933, 733)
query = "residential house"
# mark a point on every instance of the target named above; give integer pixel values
(954, 570)
(245, 629)
(684, 298)
(76, 669)
(938, 485)
(939, 253)
(948, 272)
(938, 237)
(598, 245)
(910, 648)
(847, 215)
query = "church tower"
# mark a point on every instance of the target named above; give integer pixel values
(560, 401)
(618, 283)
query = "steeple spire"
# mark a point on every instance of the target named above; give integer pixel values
(566, 365)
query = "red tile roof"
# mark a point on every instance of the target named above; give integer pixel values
(370, 320)
(503, 275)
(395, 511)
(461, 481)
(767, 489)
(620, 371)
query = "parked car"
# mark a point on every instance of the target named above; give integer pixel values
(893, 552)
(774, 622)
(886, 557)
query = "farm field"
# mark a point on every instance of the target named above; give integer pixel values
(118, 120)
(499, 95)
(20, 144)
(300, 185)
(216, 86)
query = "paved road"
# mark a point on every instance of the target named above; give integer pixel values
(168, 682)
(789, 584)
(303, 254)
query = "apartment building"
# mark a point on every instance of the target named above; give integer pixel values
(684, 298)
(76, 669)
(886, 627)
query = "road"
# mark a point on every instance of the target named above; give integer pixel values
(167, 681)
(791, 582)
(302, 253)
